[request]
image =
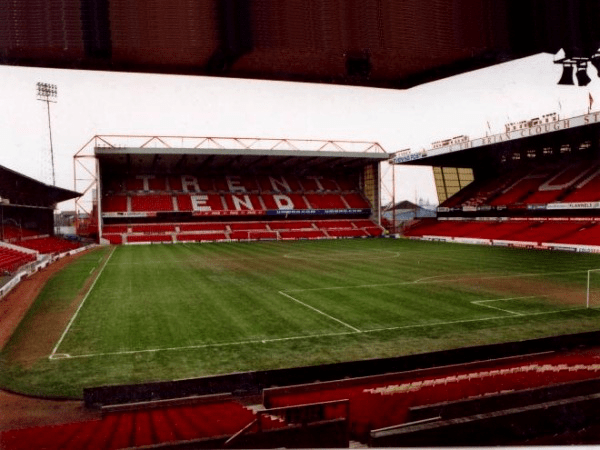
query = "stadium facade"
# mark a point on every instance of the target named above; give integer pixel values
(223, 189)
(534, 185)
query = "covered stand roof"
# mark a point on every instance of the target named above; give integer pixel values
(21, 190)
(380, 43)
(216, 155)
(576, 132)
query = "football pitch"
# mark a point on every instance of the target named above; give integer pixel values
(160, 312)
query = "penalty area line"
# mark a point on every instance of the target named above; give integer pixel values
(309, 336)
(53, 355)
(320, 312)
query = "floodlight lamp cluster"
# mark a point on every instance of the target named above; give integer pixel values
(579, 64)
(47, 90)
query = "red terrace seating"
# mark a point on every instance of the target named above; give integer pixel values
(294, 225)
(247, 226)
(346, 184)
(331, 224)
(356, 201)
(565, 178)
(298, 201)
(114, 203)
(543, 231)
(551, 231)
(149, 238)
(364, 223)
(369, 226)
(11, 260)
(49, 245)
(342, 228)
(213, 201)
(12, 233)
(253, 235)
(138, 428)
(198, 237)
(243, 202)
(347, 233)
(113, 238)
(326, 201)
(152, 228)
(377, 402)
(151, 203)
(280, 184)
(479, 192)
(587, 190)
(236, 184)
(301, 234)
(115, 228)
(202, 226)
(584, 234)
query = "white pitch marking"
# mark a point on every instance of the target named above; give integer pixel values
(311, 336)
(320, 312)
(60, 356)
(79, 307)
(218, 344)
(479, 303)
(402, 283)
(344, 255)
(470, 320)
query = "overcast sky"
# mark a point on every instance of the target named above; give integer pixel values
(91, 103)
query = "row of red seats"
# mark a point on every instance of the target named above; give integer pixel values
(241, 231)
(12, 232)
(49, 245)
(11, 260)
(230, 202)
(243, 226)
(576, 182)
(581, 232)
(233, 183)
(137, 428)
(377, 404)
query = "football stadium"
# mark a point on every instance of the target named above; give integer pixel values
(248, 292)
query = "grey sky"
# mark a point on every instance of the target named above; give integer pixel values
(92, 103)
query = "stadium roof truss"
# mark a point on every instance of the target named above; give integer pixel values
(178, 154)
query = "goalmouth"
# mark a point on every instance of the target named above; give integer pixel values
(592, 296)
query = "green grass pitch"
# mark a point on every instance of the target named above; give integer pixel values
(159, 312)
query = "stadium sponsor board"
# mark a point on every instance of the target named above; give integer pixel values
(573, 248)
(478, 241)
(518, 244)
(227, 212)
(252, 212)
(316, 212)
(577, 205)
(128, 214)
